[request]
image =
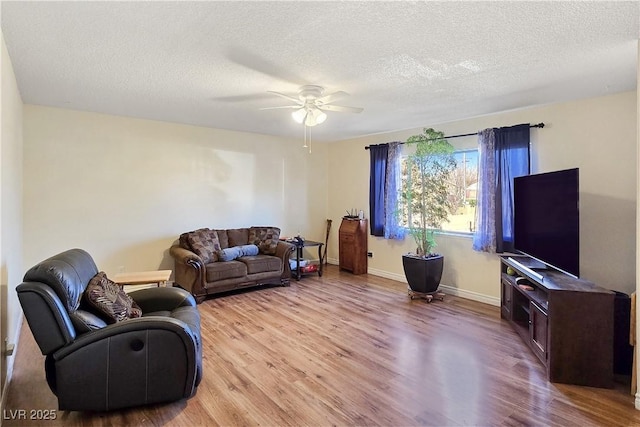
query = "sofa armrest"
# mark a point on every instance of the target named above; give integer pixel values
(184, 256)
(189, 271)
(284, 251)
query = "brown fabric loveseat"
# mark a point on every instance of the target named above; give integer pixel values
(212, 261)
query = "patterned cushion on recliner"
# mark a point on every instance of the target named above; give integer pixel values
(205, 244)
(265, 238)
(108, 300)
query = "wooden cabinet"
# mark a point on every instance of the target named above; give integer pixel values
(567, 322)
(505, 300)
(353, 245)
(538, 326)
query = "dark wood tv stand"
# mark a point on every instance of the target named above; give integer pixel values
(567, 322)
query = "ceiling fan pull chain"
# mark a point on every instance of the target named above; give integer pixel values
(305, 136)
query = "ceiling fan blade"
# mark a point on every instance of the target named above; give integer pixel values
(277, 108)
(341, 108)
(290, 98)
(242, 98)
(333, 96)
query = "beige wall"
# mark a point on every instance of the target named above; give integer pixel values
(597, 135)
(11, 264)
(124, 189)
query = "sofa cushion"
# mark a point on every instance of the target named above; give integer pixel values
(238, 236)
(225, 270)
(106, 299)
(205, 244)
(261, 263)
(223, 238)
(266, 238)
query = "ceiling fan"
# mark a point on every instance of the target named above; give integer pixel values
(311, 104)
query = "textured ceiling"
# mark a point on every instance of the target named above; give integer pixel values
(408, 64)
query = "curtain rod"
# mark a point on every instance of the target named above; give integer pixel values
(539, 125)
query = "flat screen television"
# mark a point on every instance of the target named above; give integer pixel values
(546, 219)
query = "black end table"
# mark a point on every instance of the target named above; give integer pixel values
(300, 245)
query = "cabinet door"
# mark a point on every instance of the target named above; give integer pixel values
(347, 251)
(505, 299)
(538, 331)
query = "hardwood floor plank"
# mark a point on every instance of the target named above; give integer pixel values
(350, 350)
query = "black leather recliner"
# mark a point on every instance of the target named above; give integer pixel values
(98, 367)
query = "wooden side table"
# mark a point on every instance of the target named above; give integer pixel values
(158, 277)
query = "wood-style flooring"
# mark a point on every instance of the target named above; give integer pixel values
(349, 350)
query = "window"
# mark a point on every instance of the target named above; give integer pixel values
(463, 190)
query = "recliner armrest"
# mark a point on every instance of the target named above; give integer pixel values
(151, 359)
(131, 325)
(46, 315)
(162, 299)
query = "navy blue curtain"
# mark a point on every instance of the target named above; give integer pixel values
(377, 170)
(512, 160)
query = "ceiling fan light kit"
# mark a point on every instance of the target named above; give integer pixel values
(309, 116)
(310, 106)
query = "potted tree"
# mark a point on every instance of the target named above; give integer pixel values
(425, 206)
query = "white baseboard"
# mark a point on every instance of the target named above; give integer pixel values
(10, 362)
(637, 401)
(387, 275)
(447, 289)
(475, 296)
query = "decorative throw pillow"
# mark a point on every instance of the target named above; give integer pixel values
(266, 238)
(249, 250)
(109, 301)
(205, 244)
(229, 254)
(183, 241)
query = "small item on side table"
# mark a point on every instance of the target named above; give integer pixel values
(526, 287)
(309, 268)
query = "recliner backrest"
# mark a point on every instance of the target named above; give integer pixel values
(67, 273)
(50, 296)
